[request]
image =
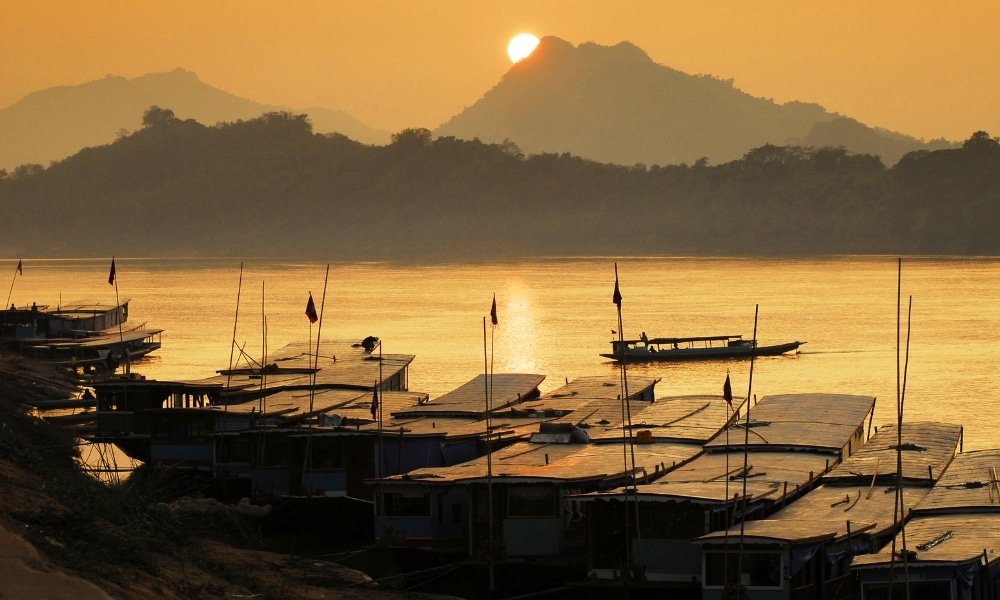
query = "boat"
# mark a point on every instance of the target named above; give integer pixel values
(693, 348)
(89, 338)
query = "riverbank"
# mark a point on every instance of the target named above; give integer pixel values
(65, 535)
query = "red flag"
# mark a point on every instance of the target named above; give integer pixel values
(493, 311)
(727, 391)
(311, 310)
(19, 269)
(617, 296)
(111, 275)
(375, 401)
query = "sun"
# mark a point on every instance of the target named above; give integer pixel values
(521, 46)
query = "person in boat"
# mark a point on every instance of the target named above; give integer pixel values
(645, 340)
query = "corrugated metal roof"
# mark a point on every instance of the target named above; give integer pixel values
(927, 450)
(941, 539)
(969, 484)
(704, 477)
(817, 421)
(694, 418)
(851, 493)
(559, 462)
(470, 398)
(340, 364)
(826, 511)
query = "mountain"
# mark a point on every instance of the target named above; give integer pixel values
(270, 186)
(614, 104)
(54, 123)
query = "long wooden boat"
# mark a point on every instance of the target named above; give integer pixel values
(693, 348)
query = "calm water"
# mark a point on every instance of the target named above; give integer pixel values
(557, 315)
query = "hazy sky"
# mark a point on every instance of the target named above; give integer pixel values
(927, 68)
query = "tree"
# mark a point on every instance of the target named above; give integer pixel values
(158, 117)
(412, 138)
(981, 142)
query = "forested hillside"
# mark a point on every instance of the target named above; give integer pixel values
(271, 187)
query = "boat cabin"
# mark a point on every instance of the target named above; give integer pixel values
(950, 547)
(747, 471)
(804, 550)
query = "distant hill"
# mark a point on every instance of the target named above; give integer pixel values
(270, 186)
(54, 123)
(615, 105)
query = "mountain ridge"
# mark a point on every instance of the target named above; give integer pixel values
(56, 122)
(615, 104)
(611, 104)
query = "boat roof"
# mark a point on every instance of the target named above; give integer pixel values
(816, 421)
(826, 513)
(859, 491)
(528, 462)
(940, 540)
(680, 340)
(927, 450)
(86, 307)
(703, 479)
(970, 484)
(689, 418)
(468, 399)
(956, 521)
(340, 365)
(105, 341)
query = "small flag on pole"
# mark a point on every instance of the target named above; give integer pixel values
(727, 391)
(111, 275)
(19, 269)
(617, 296)
(493, 311)
(375, 401)
(311, 310)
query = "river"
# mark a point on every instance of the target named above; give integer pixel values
(556, 316)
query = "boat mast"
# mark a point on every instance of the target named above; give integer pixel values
(488, 369)
(627, 446)
(17, 269)
(898, 516)
(113, 279)
(232, 344)
(314, 363)
(746, 446)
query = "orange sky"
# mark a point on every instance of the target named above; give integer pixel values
(926, 68)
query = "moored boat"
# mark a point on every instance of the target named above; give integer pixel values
(693, 348)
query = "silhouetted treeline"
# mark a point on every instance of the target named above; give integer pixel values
(271, 187)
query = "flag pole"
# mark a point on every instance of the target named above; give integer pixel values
(380, 393)
(113, 279)
(489, 458)
(626, 411)
(319, 333)
(17, 270)
(727, 394)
